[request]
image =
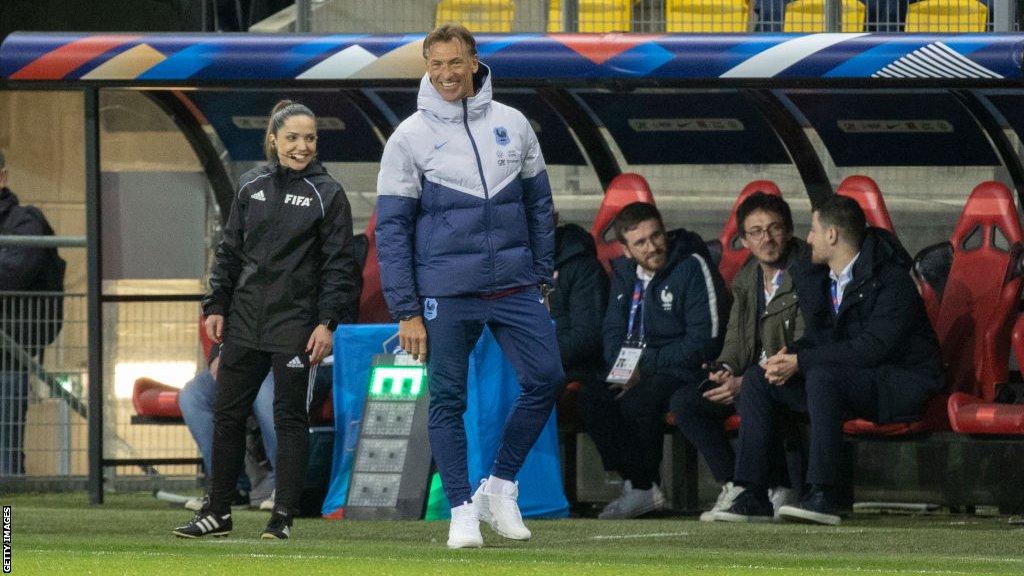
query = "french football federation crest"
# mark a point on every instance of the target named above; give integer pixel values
(501, 136)
(666, 299)
(430, 308)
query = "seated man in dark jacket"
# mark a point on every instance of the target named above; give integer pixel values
(764, 319)
(868, 351)
(577, 303)
(665, 318)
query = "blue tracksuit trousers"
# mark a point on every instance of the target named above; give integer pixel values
(523, 328)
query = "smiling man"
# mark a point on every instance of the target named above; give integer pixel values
(664, 320)
(465, 237)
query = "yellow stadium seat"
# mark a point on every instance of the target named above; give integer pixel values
(595, 16)
(707, 15)
(947, 16)
(809, 16)
(478, 15)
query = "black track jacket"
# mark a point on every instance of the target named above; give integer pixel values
(284, 264)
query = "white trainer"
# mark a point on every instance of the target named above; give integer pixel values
(725, 500)
(633, 503)
(496, 502)
(781, 496)
(268, 504)
(464, 529)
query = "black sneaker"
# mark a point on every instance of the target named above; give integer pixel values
(817, 507)
(205, 523)
(279, 527)
(752, 505)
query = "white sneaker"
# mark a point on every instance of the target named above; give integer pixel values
(633, 503)
(725, 500)
(496, 504)
(781, 496)
(268, 504)
(464, 529)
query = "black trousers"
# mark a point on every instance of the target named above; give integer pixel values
(702, 422)
(765, 410)
(629, 431)
(238, 381)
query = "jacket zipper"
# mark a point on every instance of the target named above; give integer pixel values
(275, 208)
(483, 181)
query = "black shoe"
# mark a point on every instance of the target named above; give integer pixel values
(752, 505)
(817, 507)
(279, 527)
(205, 523)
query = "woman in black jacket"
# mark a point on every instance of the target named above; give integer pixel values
(283, 278)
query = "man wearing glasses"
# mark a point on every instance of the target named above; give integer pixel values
(764, 319)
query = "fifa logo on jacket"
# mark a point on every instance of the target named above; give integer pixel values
(297, 200)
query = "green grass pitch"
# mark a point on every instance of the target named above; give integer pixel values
(58, 534)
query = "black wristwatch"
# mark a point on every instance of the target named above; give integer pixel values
(329, 323)
(407, 317)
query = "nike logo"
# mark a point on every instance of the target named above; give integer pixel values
(439, 146)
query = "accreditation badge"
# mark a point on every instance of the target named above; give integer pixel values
(625, 365)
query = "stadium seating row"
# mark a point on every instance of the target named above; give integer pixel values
(717, 15)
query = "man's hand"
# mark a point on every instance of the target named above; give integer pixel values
(727, 392)
(215, 367)
(780, 367)
(412, 337)
(215, 328)
(623, 388)
(320, 344)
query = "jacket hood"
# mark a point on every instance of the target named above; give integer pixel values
(681, 244)
(7, 201)
(430, 100)
(572, 241)
(880, 248)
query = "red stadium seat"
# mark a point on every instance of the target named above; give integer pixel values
(153, 399)
(979, 307)
(866, 193)
(728, 252)
(623, 190)
(372, 308)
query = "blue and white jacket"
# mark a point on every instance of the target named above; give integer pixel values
(463, 201)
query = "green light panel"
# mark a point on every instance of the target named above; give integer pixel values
(396, 382)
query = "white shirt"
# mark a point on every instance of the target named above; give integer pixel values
(772, 287)
(644, 275)
(843, 279)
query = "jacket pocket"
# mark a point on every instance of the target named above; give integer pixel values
(424, 237)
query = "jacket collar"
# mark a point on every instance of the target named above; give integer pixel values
(312, 169)
(880, 248)
(430, 100)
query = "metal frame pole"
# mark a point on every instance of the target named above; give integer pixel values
(94, 279)
(303, 16)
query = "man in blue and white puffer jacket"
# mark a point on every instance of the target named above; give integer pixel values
(465, 238)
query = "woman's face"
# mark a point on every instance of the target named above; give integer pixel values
(295, 142)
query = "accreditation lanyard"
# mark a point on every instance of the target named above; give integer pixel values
(625, 365)
(636, 305)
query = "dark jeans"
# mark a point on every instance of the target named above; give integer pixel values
(241, 375)
(13, 406)
(702, 422)
(629, 431)
(766, 417)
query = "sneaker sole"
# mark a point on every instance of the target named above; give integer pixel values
(739, 518)
(194, 537)
(461, 545)
(792, 514)
(269, 536)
